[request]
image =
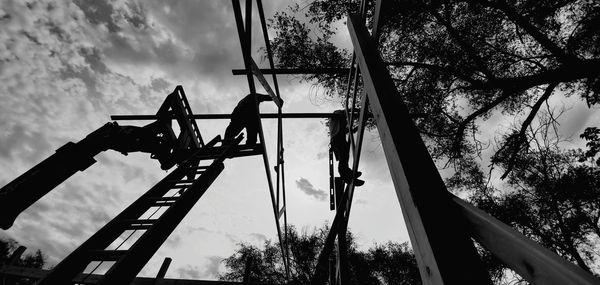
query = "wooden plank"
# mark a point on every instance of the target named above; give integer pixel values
(237, 11)
(533, 262)
(263, 81)
(162, 271)
(435, 229)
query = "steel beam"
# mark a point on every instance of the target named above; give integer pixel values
(332, 70)
(245, 42)
(436, 230)
(228, 116)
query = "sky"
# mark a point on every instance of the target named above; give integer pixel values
(65, 67)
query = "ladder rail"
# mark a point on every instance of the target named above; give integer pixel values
(132, 260)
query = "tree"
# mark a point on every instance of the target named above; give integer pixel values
(457, 61)
(391, 263)
(35, 260)
(552, 196)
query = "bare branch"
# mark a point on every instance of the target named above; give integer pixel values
(465, 46)
(463, 125)
(443, 69)
(584, 69)
(521, 138)
(518, 19)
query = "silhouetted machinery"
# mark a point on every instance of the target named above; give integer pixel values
(157, 138)
(154, 215)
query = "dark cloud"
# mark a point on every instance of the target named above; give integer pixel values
(56, 30)
(88, 77)
(137, 16)
(208, 29)
(31, 38)
(305, 186)
(20, 141)
(99, 12)
(93, 57)
(160, 84)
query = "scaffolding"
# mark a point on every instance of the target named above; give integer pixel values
(441, 226)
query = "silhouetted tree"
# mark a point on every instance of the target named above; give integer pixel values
(35, 260)
(456, 61)
(391, 263)
(552, 196)
(592, 136)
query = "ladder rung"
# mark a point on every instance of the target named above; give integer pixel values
(180, 186)
(281, 212)
(182, 181)
(199, 167)
(163, 201)
(139, 224)
(106, 255)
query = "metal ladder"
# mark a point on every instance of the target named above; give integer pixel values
(178, 192)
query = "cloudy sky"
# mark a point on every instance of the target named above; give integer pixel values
(65, 67)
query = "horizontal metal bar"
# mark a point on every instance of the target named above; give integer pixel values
(295, 71)
(533, 262)
(228, 116)
(35, 273)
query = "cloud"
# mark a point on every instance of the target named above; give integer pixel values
(189, 272)
(210, 270)
(305, 186)
(258, 236)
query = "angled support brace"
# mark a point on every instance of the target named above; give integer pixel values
(436, 229)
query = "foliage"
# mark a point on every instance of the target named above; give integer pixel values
(391, 263)
(551, 196)
(592, 135)
(457, 61)
(35, 260)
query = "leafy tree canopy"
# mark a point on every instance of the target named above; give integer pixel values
(457, 61)
(551, 196)
(390, 263)
(35, 260)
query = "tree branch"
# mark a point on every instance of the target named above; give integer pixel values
(465, 46)
(583, 69)
(521, 135)
(474, 115)
(518, 19)
(443, 69)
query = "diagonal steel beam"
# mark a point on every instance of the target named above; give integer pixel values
(437, 233)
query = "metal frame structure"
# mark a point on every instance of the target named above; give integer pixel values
(441, 226)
